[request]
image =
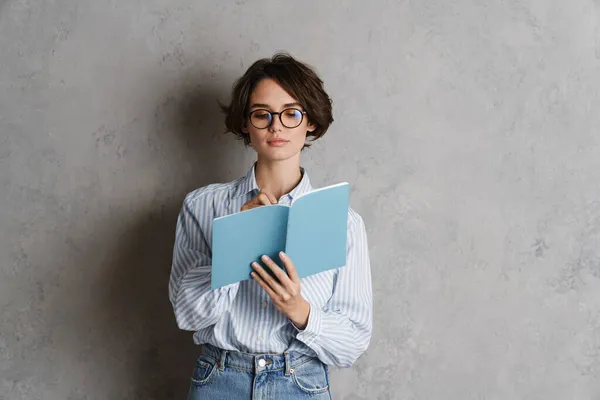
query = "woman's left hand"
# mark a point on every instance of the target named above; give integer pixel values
(285, 293)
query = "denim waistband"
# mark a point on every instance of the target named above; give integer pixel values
(256, 362)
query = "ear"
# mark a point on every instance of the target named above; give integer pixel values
(245, 128)
(311, 127)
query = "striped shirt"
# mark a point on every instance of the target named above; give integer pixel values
(241, 316)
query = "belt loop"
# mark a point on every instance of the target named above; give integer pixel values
(222, 360)
(288, 363)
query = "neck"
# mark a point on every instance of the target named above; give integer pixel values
(278, 177)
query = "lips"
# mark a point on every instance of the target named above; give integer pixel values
(277, 142)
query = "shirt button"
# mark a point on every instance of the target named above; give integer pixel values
(264, 304)
(262, 363)
(259, 338)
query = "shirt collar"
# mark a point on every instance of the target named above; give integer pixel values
(248, 184)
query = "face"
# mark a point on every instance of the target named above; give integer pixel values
(277, 142)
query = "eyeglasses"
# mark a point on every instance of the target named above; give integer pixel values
(290, 118)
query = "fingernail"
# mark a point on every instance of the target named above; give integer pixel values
(265, 257)
(282, 254)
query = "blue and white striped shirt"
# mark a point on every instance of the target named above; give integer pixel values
(241, 316)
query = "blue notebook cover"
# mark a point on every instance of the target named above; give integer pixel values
(312, 231)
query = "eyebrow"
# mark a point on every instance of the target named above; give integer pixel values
(287, 105)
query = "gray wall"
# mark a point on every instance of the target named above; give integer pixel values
(469, 131)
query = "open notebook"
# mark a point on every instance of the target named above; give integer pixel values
(312, 231)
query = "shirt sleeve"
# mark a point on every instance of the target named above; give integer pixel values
(340, 332)
(196, 306)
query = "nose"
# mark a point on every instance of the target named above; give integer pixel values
(275, 124)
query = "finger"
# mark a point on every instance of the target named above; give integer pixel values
(264, 285)
(284, 280)
(272, 198)
(277, 288)
(264, 199)
(249, 204)
(252, 203)
(289, 267)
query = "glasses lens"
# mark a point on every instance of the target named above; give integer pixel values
(291, 117)
(260, 119)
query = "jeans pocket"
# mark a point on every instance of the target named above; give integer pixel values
(311, 377)
(205, 370)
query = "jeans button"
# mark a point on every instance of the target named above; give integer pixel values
(262, 363)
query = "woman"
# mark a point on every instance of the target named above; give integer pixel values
(269, 338)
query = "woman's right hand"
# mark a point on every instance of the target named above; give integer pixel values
(263, 199)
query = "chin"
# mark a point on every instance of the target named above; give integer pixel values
(277, 154)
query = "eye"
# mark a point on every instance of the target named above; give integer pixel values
(261, 114)
(293, 113)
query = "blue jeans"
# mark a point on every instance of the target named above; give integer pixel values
(231, 375)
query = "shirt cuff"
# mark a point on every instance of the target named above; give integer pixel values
(313, 327)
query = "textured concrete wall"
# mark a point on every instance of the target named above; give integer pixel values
(470, 131)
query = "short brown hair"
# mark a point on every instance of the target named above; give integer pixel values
(296, 78)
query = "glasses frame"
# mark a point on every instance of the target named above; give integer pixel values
(303, 113)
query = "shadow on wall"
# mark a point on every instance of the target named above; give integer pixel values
(160, 357)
